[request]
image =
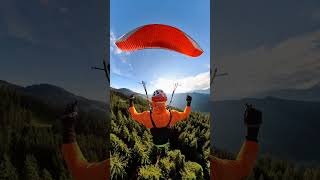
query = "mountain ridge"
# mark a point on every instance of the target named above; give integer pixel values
(288, 125)
(308, 94)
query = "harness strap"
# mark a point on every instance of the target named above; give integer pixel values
(170, 118)
(154, 125)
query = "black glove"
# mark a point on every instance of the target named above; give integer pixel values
(131, 100)
(253, 120)
(68, 123)
(188, 99)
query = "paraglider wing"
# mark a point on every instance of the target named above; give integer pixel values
(159, 36)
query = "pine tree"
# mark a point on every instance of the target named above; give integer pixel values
(118, 167)
(167, 166)
(31, 169)
(186, 174)
(149, 172)
(7, 170)
(192, 168)
(46, 175)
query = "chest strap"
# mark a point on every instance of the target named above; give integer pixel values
(154, 125)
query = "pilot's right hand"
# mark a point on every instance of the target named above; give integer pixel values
(68, 123)
(188, 99)
(131, 100)
(253, 121)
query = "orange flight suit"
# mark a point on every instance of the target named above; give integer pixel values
(80, 168)
(238, 169)
(160, 115)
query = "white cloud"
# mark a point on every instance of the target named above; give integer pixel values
(200, 81)
(293, 63)
(113, 48)
(17, 24)
(115, 70)
(117, 67)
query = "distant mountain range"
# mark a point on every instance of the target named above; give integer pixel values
(199, 102)
(124, 91)
(57, 97)
(201, 98)
(310, 94)
(205, 91)
(290, 128)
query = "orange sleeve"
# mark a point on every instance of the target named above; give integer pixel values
(178, 116)
(235, 169)
(78, 166)
(141, 118)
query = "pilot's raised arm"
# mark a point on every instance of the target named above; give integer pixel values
(242, 166)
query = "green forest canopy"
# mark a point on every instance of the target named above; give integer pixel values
(30, 144)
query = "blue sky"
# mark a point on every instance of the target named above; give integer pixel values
(263, 45)
(160, 68)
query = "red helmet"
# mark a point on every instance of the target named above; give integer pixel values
(159, 96)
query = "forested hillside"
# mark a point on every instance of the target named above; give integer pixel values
(30, 137)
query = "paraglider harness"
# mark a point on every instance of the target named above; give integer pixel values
(161, 135)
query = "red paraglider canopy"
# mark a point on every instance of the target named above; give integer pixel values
(159, 36)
